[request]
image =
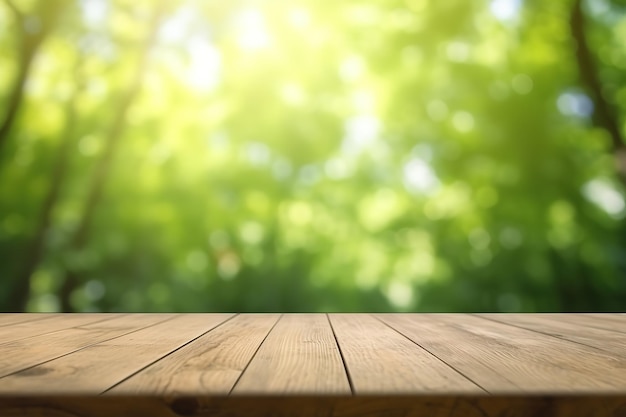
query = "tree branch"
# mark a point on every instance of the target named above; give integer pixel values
(604, 115)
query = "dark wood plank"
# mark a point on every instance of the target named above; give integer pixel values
(25, 353)
(317, 406)
(504, 359)
(567, 327)
(99, 366)
(381, 360)
(300, 355)
(210, 365)
(55, 323)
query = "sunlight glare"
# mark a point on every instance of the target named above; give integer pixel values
(252, 30)
(363, 101)
(361, 132)
(419, 177)
(504, 10)
(94, 12)
(176, 28)
(351, 68)
(292, 94)
(604, 195)
(299, 17)
(400, 294)
(205, 63)
(572, 103)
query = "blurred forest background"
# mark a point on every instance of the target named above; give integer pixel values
(312, 155)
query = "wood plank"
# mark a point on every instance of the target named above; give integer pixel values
(567, 327)
(210, 365)
(25, 353)
(9, 319)
(55, 323)
(608, 321)
(300, 355)
(112, 360)
(531, 365)
(380, 360)
(505, 359)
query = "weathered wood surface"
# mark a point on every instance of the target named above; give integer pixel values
(313, 365)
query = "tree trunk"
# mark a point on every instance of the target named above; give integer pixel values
(15, 96)
(34, 249)
(30, 42)
(72, 278)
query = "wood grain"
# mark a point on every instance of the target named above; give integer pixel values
(28, 352)
(504, 359)
(610, 341)
(380, 360)
(114, 359)
(300, 355)
(615, 322)
(313, 365)
(8, 319)
(210, 365)
(40, 327)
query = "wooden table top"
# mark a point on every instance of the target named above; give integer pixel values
(312, 364)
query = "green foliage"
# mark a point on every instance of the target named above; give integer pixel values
(314, 156)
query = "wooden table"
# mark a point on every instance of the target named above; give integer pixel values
(393, 365)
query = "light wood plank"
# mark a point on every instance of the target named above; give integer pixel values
(505, 359)
(608, 321)
(98, 367)
(54, 323)
(529, 357)
(300, 355)
(9, 319)
(380, 360)
(210, 365)
(567, 327)
(28, 352)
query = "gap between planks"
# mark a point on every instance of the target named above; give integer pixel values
(111, 359)
(10, 319)
(299, 356)
(382, 360)
(28, 353)
(439, 358)
(610, 341)
(351, 354)
(506, 359)
(53, 324)
(210, 365)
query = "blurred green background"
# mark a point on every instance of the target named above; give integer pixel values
(312, 155)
